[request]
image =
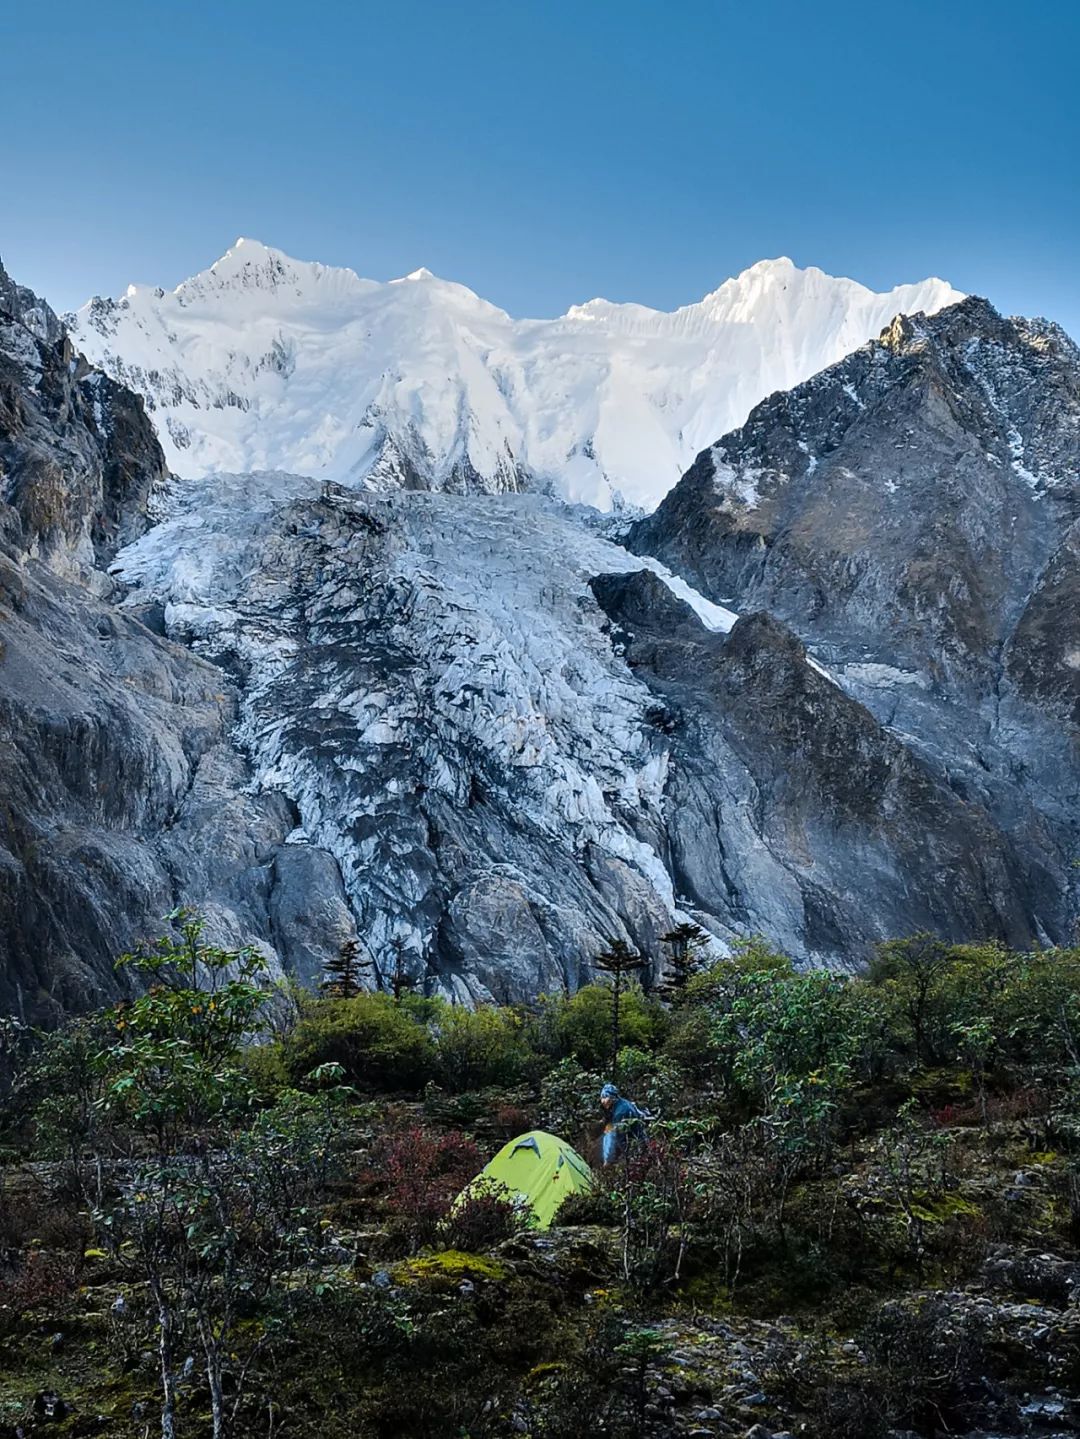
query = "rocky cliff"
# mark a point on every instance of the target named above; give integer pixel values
(121, 792)
(912, 513)
(519, 741)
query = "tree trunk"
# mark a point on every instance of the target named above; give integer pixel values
(212, 1350)
(615, 996)
(165, 1357)
(217, 1402)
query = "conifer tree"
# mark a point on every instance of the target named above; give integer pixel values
(620, 961)
(343, 975)
(685, 944)
(401, 981)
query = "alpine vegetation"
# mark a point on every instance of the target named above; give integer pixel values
(793, 1202)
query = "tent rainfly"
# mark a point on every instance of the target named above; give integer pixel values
(538, 1170)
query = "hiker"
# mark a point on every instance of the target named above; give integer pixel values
(623, 1122)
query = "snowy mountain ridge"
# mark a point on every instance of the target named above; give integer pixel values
(263, 362)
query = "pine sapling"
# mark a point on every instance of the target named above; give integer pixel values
(620, 961)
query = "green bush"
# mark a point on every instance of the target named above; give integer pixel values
(919, 983)
(378, 1043)
(651, 1080)
(595, 1206)
(979, 1005)
(570, 1101)
(266, 1069)
(476, 1048)
(689, 1047)
(579, 1027)
(775, 1025)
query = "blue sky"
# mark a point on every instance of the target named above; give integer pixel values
(545, 151)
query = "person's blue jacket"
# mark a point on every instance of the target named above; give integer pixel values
(621, 1124)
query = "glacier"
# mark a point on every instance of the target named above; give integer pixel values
(517, 740)
(402, 655)
(263, 362)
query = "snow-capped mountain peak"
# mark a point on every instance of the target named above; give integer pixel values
(267, 362)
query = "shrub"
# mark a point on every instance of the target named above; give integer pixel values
(597, 1205)
(266, 1070)
(979, 1006)
(850, 1408)
(651, 1080)
(569, 1101)
(378, 1043)
(61, 1085)
(423, 1174)
(510, 1119)
(930, 1357)
(479, 1047)
(483, 1219)
(585, 1392)
(653, 1189)
(570, 1095)
(1035, 1006)
(579, 1027)
(689, 1046)
(51, 1219)
(38, 1279)
(775, 1030)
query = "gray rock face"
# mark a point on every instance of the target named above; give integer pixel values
(787, 796)
(121, 792)
(912, 513)
(428, 679)
(78, 458)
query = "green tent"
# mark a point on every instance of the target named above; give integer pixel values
(538, 1170)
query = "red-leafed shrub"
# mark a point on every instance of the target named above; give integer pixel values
(1027, 1103)
(30, 1215)
(482, 1220)
(511, 1119)
(35, 1279)
(422, 1174)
